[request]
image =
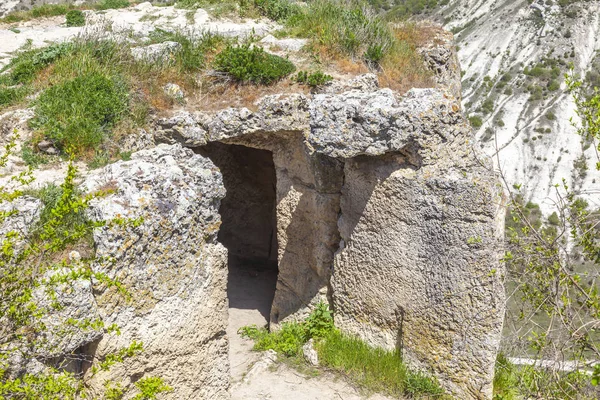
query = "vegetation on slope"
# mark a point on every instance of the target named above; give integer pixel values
(375, 369)
(35, 272)
(553, 266)
(55, 10)
(252, 64)
(93, 91)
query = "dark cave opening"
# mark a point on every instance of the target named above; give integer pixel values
(248, 224)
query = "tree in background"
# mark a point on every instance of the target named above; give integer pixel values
(553, 269)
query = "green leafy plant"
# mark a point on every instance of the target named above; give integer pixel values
(44, 10)
(552, 270)
(277, 10)
(23, 68)
(252, 64)
(112, 4)
(190, 57)
(313, 79)
(374, 54)
(34, 272)
(75, 18)
(319, 323)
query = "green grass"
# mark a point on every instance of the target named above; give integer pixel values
(28, 62)
(11, 95)
(277, 10)
(112, 4)
(343, 28)
(46, 10)
(55, 10)
(192, 55)
(32, 158)
(312, 79)
(92, 89)
(512, 382)
(78, 112)
(407, 8)
(374, 369)
(476, 121)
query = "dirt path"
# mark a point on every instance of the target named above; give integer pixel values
(258, 376)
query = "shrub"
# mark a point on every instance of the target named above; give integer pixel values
(77, 113)
(252, 64)
(277, 10)
(45, 10)
(75, 18)
(114, 4)
(475, 121)
(348, 28)
(408, 8)
(553, 219)
(11, 95)
(191, 55)
(553, 85)
(550, 115)
(488, 106)
(287, 341)
(374, 54)
(313, 79)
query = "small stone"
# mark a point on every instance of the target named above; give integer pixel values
(46, 146)
(174, 91)
(159, 52)
(310, 354)
(74, 256)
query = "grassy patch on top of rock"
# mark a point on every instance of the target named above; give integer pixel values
(94, 90)
(252, 64)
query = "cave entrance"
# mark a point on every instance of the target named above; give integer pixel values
(248, 231)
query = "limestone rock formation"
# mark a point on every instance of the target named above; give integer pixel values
(384, 207)
(374, 202)
(173, 267)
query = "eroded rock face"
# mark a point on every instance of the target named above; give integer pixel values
(420, 226)
(173, 267)
(378, 203)
(386, 210)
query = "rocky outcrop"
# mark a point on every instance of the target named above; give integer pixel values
(441, 57)
(386, 210)
(173, 267)
(374, 202)
(420, 227)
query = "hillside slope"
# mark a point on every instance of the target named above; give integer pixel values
(514, 56)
